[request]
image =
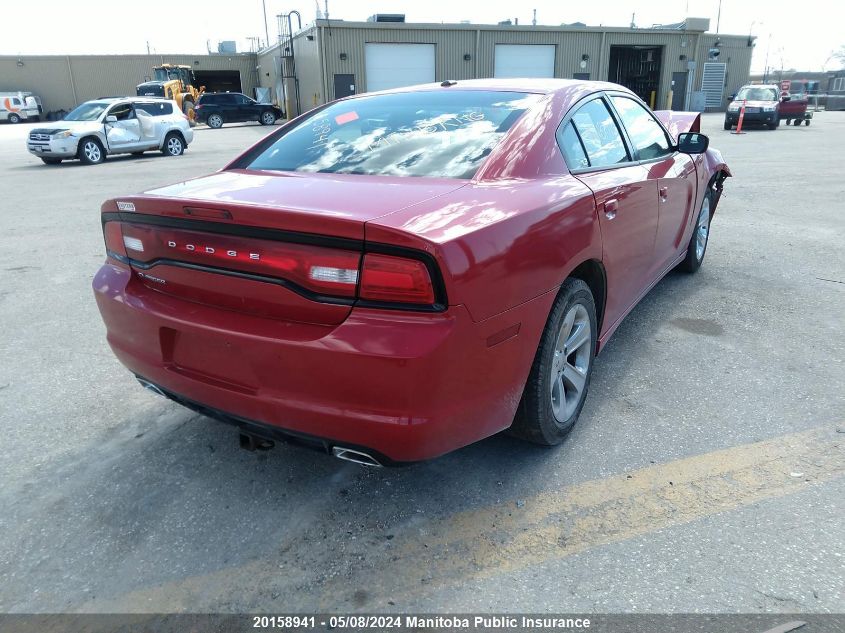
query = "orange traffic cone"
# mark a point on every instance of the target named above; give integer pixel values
(741, 117)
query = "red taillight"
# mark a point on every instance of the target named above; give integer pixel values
(114, 238)
(321, 270)
(395, 280)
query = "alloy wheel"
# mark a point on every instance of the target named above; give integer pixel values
(174, 146)
(571, 362)
(92, 151)
(702, 228)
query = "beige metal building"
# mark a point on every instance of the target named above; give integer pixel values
(64, 81)
(670, 67)
(682, 66)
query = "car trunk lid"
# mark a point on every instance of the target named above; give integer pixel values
(281, 246)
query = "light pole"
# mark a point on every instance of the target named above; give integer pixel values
(766, 64)
(719, 17)
(266, 30)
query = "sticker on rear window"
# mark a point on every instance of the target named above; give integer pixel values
(126, 206)
(346, 117)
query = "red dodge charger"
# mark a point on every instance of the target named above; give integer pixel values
(395, 275)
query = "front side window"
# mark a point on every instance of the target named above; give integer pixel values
(444, 133)
(647, 137)
(123, 111)
(599, 134)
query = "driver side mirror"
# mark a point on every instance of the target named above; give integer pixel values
(693, 143)
(731, 97)
(111, 119)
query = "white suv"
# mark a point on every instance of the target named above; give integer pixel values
(119, 125)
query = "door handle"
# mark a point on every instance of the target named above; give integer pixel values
(664, 193)
(610, 208)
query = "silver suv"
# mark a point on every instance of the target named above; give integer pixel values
(119, 125)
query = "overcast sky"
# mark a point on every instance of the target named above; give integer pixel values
(800, 35)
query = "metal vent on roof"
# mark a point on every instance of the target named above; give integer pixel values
(387, 17)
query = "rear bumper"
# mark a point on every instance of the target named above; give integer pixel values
(407, 386)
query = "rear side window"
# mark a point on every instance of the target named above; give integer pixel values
(155, 109)
(646, 135)
(571, 146)
(599, 134)
(444, 133)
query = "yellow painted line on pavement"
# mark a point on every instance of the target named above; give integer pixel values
(504, 538)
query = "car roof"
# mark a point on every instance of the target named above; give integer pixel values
(109, 100)
(574, 89)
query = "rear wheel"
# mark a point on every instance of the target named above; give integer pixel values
(268, 118)
(796, 122)
(173, 145)
(190, 113)
(51, 161)
(560, 376)
(728, 125)
(14, 118)
(806, 121)
(700, 236)
(214, 121)
(91, 152)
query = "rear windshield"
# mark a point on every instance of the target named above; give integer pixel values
(752, 93)
(439, 134)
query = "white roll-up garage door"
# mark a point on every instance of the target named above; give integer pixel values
(524, 60)
(397, 65)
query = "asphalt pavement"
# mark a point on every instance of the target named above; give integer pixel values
(705, 473)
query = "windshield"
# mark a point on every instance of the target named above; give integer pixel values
(439, 134)
(755, 93)
(166, 74)
(90, 111)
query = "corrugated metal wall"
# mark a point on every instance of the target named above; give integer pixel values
(453, 42)
(63, 82)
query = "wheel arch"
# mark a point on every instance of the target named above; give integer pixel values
(592, 273)
(175, 131)
(81, 142)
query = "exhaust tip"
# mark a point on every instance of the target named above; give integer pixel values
(356, 457)
(146, 384)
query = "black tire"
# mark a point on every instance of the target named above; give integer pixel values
(795, 122)
(267, 118)
(806, 121)
(91, 151)
(692, 262)
(51, 161)
(214, 121)
(14, 118)
(174, 144)
(774, 124)
(188, 110)
(728, 125)
(535, 419)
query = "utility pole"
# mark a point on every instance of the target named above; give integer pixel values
(534, 20)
